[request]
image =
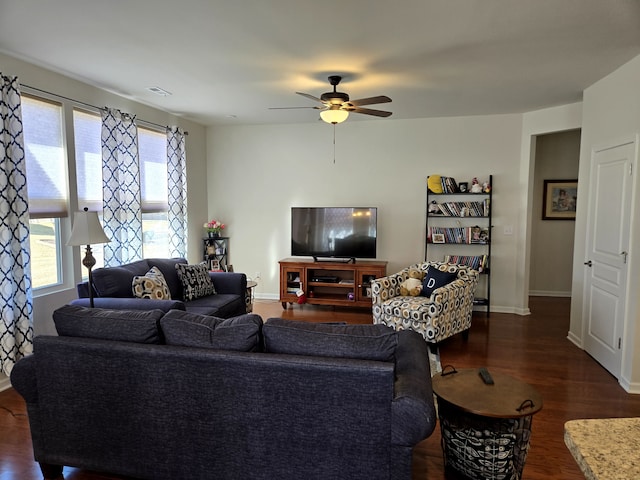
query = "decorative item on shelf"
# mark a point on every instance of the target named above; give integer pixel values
(475, 186)
(214, 228)
(463, 187)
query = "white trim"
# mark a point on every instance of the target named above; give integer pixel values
(544, 293)
(575, 339)
(266, 296)
(5, 383)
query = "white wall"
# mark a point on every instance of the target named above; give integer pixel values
(256, 173)
(611, 113)
(47, 80)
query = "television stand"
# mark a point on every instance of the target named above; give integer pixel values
(330, 281)
(334, 259)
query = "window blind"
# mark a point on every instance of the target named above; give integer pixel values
(47, 184)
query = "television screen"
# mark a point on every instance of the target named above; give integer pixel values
(343, 232)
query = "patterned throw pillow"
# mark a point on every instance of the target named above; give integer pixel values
(196, 281)
(152, 285)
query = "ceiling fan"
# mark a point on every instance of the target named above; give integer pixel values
(336, 106)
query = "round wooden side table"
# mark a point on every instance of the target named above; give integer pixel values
(485, 428)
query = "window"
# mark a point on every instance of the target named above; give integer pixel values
(87, 134)
(152, 149)
(46, 186)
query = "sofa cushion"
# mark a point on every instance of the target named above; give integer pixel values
(140, 326)
(192, 330)
(196, 281)
(168, 268)
(116, 281)
(221, 305)
(365, 342)
(435, 279)
(151, 286)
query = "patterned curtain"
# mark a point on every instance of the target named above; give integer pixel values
(122, 211)
(177, 185)
(16, 302)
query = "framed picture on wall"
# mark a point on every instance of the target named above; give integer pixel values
(559, 199)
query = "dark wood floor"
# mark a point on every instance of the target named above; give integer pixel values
(533, 349)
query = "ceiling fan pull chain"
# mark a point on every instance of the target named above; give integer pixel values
(334, 143)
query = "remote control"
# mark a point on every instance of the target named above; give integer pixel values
(486, 376)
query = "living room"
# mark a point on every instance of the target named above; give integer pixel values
(250, 175)
(237, 172)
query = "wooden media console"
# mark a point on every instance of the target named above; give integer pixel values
(329, 282)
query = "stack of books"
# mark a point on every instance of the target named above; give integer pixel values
(463, 209)
(477, 262)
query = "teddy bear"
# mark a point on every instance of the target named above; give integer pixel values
(412, 286)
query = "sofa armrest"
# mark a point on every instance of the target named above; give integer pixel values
(384, 288)
(412, 409)
(24, 379)
(459, 288)
(231, 283)
(117, 303)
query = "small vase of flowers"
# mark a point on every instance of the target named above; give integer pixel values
(214, 228)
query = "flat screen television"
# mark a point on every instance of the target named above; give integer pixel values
(334, 232)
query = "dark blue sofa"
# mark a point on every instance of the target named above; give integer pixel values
(137, 400)
(112, 289)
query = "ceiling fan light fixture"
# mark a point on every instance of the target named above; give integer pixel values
(334, 115)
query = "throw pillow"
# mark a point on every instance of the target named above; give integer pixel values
(365, 342)
(435, 279)
(139, 326)
(152, 285)
(185, 329)
(196, 281)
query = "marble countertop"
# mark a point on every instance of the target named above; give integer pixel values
(605, 449)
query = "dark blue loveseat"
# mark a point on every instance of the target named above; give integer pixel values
(112, 289)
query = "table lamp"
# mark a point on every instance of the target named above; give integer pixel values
(87, 230)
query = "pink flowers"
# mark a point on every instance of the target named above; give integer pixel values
(214, 226)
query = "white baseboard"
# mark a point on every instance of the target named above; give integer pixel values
(544, 293)
(629, 387)
(5, 384)
(576, 340)
(266, 296)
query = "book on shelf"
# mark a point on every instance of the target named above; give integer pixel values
(460, 209)
(477, 262)
(449, 185)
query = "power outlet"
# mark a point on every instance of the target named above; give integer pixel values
(508, 230)
(257, 276)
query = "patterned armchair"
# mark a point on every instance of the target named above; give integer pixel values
(447, 312)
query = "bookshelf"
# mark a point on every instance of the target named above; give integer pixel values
(459, 231)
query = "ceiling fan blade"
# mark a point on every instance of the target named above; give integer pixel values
(369, 111)
(370, 100)
(310, 97)
(292, 108)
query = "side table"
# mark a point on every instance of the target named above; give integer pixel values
(251, 284)
(485, 428)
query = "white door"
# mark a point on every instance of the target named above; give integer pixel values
(607, 251)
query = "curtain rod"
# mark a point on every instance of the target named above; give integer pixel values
(88, 104)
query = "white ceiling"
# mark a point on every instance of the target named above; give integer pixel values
(229, 61)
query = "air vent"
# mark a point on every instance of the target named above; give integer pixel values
(159, 91)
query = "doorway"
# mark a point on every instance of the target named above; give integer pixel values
(557, 157)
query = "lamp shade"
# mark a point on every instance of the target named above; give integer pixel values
(334, 115)
(87, 229)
